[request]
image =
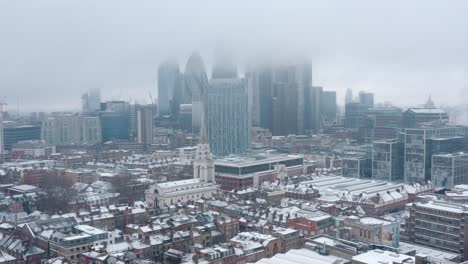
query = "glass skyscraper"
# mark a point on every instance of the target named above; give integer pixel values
(227, 116)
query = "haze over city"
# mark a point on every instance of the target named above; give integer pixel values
(233, 132)
(53, 51)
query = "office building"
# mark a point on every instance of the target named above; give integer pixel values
(196, 84)
(355, 115)
(13, 133)
(260, 81)
(380, 124)
(422, 143)
(185, 117)
(418, 117)
(356, 166)
(237, 173)
(329, 107)
(349, 98)
(115, 126)
(313, 107)
(387, 160)
(284, 105)
(439, 225)
(169, 88)
(68, 129)
(294, 80)
(366, 99)
(449, 169)
(145, 124)
(227, 116)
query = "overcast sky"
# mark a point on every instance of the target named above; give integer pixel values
(53, 51)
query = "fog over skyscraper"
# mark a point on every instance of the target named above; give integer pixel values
(223, 66)
(169, 88)
(196, 83)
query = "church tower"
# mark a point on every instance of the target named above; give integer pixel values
(203, 165)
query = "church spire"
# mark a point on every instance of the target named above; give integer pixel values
(203, 126)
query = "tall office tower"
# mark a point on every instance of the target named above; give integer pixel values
(349, 98)
(297, 77)
(227, 116)
(422, 143)
(387, 160)
(68, 129)
(260, 81)
(223, 67)
(313, 107)
(145, 124)
(366, 99)
(329, 107)
(169, 88)
(303, 79)
(91, 101)
(284, 109)
(196, 83)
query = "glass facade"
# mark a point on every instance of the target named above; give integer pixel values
(12, 135)
(449, 170)
(422, 144)
(227, 117)
(387, 160)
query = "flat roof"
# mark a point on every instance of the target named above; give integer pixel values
(302, 256)
(378, 256)
(244, 161)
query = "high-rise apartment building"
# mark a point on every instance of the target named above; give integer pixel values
(227, 116)
(145, 124)
(69, 129)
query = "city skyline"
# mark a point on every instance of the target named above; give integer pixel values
(120, 54)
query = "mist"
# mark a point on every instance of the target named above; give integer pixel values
(53, 51)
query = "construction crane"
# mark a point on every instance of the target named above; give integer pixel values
(151, 97)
